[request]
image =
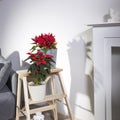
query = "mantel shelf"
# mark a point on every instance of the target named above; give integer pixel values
(105, 24)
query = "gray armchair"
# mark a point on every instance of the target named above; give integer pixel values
(8, 90)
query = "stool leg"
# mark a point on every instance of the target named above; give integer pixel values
(26, 98)
(18, 98)
(66, 99)
(54, 101)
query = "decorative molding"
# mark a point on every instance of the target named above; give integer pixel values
(105, 24)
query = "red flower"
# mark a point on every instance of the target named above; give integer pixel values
(45, 40)
(48, 56)
(38, 62)
(41, 62)
(39, 57)
(37, 71)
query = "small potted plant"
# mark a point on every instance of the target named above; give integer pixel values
(40, 63)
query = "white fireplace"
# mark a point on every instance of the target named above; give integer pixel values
(112, 77)
(115, 83)
(106, 58)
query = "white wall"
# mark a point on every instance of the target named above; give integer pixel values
(20, 20)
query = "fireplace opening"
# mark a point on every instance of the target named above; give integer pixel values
(115, 83)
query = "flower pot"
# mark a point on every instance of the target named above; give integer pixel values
(37, 92)
(53, 52)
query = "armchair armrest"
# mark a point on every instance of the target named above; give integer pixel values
(12, 82)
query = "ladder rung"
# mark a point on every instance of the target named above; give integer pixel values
(49, 98)
(42, 109)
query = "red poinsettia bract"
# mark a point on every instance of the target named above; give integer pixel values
(39, 58)
(45, 41)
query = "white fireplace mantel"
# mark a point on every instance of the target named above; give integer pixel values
(105, 24)
(105, 37)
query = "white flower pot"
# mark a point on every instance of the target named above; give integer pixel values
(38, 92)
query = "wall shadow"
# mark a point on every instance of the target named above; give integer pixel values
(82, 83)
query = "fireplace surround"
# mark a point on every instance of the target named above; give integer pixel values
(106, 60)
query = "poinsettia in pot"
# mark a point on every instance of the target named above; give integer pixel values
(40, 64)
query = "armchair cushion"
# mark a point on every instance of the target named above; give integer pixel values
(7, 103)
(8, 90)
(5, 69)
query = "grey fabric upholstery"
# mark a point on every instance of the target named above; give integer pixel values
(12, 82)
(7, 104)
(8, 90)
(5, 68)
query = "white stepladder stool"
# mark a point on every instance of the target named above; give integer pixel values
(50, 99)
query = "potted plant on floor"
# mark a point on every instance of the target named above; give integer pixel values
(40, 64)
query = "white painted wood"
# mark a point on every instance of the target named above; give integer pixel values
(105, 24)
(108, 44)
(104, 36)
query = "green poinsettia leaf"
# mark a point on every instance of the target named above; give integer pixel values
(33, 48)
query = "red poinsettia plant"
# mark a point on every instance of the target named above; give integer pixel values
(40, 61)
(45, 42)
